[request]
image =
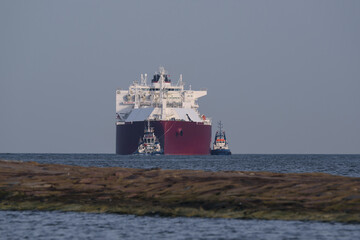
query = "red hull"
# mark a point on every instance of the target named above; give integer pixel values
(176, 137)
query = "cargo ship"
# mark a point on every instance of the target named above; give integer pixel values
(172, 112)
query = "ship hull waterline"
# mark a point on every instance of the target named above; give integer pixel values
(176, 137)
(220, 152)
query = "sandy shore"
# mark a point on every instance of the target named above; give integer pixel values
(235, 194)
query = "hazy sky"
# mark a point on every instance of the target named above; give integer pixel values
(283, 76)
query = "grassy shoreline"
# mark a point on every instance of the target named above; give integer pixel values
(190, 193)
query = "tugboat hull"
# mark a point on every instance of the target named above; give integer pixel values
(221, 152)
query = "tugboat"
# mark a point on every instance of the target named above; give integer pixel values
(220, 146)
(149, 144)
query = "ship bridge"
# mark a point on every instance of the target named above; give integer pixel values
(161, 100)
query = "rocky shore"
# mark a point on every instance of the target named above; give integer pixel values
(230, 194)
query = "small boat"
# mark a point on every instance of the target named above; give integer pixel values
(220, 145)
(149, 144)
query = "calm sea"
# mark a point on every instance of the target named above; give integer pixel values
(69, 225)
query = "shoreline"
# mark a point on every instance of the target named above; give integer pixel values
(188, 193)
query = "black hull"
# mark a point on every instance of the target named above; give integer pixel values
(221, 152)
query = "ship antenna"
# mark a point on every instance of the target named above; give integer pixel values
(220, 128)
(180, 80)
(143, 79)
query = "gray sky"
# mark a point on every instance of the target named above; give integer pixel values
(283, 76)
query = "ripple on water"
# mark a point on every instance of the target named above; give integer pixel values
(70, 225)
(346, 165)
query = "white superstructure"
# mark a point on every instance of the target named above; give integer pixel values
(159, 101)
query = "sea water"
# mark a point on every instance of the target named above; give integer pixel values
(71, 225)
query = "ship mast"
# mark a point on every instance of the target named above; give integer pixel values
(148, 125)
(220, 129)
(162, 93)
(137, 102)
(143, 79)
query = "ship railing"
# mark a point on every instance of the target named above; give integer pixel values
(174, 105)
(157, 105)
(128, 103)
(207, 121)
(145, 104)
